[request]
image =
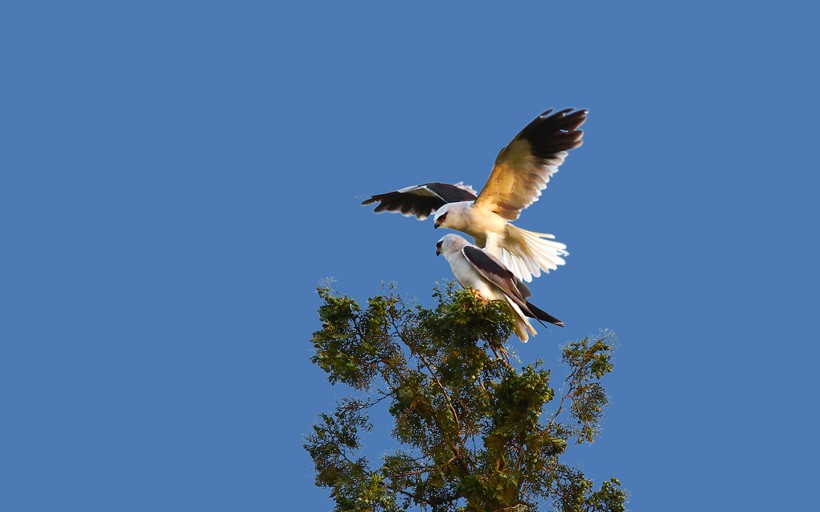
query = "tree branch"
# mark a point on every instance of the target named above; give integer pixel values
(573, 381)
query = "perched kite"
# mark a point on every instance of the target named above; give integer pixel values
(476, 268)
(521, 172)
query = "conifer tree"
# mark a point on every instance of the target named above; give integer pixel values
(473, 433)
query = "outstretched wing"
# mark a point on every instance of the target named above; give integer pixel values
(495, 272)
(422, 200)
(523, 168)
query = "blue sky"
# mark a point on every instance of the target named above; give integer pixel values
(178, 177)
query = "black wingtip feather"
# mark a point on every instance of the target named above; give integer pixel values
(540, 314)
(553, 132)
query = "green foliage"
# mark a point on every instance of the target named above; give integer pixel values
(475, 434)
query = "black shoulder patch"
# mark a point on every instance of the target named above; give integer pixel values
(551, 133)
(450, 193)
(485, 263)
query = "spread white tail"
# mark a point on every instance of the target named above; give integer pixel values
(527, 253)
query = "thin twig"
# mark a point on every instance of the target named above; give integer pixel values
(572, 383)
(443, 390)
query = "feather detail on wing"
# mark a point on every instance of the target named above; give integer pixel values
(495, 272)
(539, 314)
(421, 200)
(491, 269)
(523, 168)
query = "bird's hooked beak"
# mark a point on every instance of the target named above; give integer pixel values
(436, 223)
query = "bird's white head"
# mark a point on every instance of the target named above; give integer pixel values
(450, 215)
(449, 244)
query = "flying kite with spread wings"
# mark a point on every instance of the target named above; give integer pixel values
(476, 268)
(522, 170)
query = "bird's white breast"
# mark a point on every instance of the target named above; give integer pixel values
(479, 222)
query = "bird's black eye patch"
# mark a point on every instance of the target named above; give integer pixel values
(438, 245)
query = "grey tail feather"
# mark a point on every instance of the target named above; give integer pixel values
(540, 314)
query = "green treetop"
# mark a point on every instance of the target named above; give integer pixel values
(473, 433)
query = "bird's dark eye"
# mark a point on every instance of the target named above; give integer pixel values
(438, 245)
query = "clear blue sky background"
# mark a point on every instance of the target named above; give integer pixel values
(177, 177)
